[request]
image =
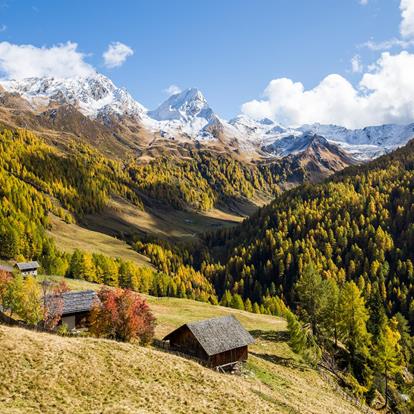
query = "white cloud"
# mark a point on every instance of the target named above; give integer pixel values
(407, 22)
(357, 66)
(385, 94)
(116, 54)
(363, 2)
(406, 30)
(388, 44)
(25, 61)
(172, 90)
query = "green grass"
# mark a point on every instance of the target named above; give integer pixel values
(47, 374)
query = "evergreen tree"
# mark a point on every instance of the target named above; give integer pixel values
(388, 358)
(237, 302)
(226, 299)
(331, 313)
(312, 292)
(352, 323)
(248, 305)
(302, 340)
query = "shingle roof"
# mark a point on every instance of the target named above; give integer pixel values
(27, 265)
(75, 302)
(218, 335)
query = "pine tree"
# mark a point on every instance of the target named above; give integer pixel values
(256, 308)
(237, 302)
(388, 358)
(248, 305)
(377, 316)
(302, 340)
(352, 328)
(312, 293)
(331, 313)
(226, 299)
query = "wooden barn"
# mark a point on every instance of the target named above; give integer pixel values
(77, 307)
(217, 342)
(27, 268)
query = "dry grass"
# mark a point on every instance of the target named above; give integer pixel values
(162, 221)
(43, 373)
(69, 237)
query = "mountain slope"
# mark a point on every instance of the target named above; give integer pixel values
(116, 377)
(187, 113)
(95, 96)
(357, 225)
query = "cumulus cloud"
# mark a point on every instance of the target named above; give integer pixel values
(406, 30)
(363, 2)
(357, 66)
(385, 94)
(116, 54)
(407, 16)
(25, 61)
(172, 90)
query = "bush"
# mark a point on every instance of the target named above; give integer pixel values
(122, 315)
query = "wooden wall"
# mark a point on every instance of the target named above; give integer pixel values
(184, 341)
(233, 355)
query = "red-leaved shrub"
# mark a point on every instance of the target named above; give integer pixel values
(122, 315)
(53, 302)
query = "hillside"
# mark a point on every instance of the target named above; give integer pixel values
(122, 378)
(357, 225)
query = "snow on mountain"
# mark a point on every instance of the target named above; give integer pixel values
(390, 135)
(362, 144)
(94, 95)
(366, 143)
(292, 145)
(188, 113)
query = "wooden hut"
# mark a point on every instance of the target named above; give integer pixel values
(27, 268)
(217, 342)
(77, 307)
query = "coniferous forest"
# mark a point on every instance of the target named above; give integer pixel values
(335, 258)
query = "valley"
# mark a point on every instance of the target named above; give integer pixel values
(288, 228)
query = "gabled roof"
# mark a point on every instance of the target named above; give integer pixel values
(27, 265)
(218, 335)
(76, 302)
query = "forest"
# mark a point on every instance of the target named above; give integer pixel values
(335, 258)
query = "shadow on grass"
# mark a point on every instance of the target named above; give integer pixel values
(274, 359)
(273, 336)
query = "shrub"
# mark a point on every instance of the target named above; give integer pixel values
(122, 315)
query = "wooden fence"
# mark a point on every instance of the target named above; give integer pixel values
(358, 403)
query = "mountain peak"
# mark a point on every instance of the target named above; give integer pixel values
(94, 95)
(183, 106)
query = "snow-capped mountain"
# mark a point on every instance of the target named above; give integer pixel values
(292, 145)
(188, 116)
(187, 112)
(94, 96)
(261, 132)
(383, 135)
(362, 144)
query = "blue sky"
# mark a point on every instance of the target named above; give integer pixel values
(229, 49)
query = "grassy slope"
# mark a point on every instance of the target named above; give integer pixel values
(46, 373)
(162, 221)
(69, 237)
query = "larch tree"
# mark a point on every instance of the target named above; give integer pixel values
(388, 358)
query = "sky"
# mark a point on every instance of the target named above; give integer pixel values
(349, 62)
